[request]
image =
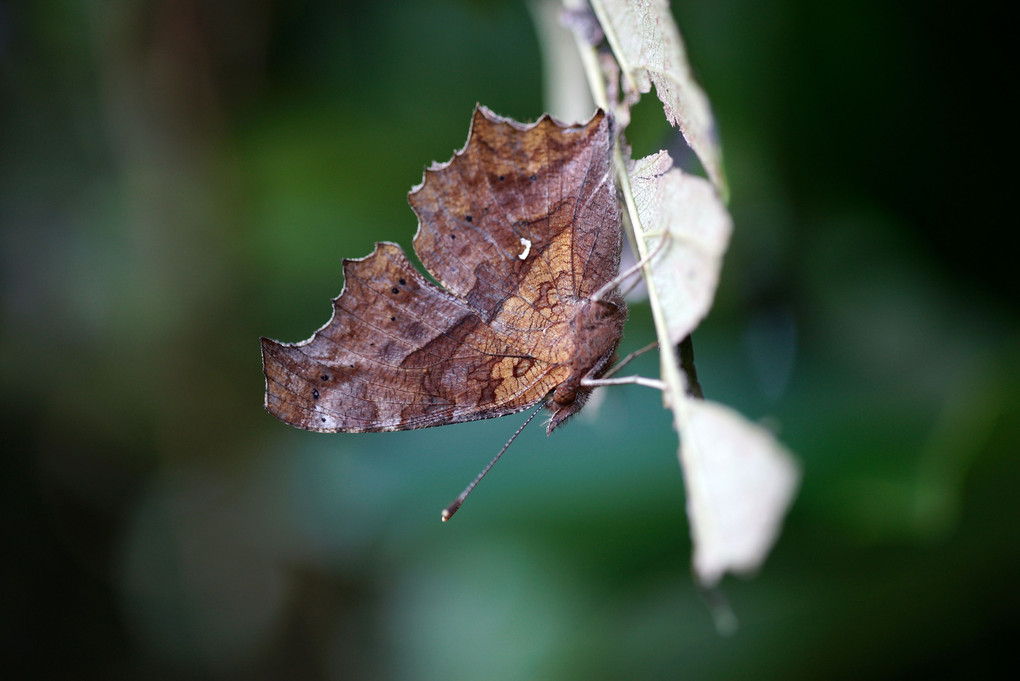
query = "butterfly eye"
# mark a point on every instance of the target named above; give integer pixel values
(564, 395)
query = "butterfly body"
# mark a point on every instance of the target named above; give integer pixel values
(596, 330)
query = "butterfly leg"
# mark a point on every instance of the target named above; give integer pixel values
(629, 358)
(624, 380)
(630, 271)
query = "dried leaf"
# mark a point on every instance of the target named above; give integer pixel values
(648, 47)
(740, 482)
(685, 209)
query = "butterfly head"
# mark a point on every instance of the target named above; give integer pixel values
(596, 329)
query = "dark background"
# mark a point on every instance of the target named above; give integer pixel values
(180, 178)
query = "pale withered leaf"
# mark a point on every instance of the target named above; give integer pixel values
(685, 210)
(650, 51)
(740, 481)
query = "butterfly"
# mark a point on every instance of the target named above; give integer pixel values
(521, 233)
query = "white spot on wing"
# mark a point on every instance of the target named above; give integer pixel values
(527, 249)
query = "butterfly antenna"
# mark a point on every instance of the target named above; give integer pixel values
(452, 508)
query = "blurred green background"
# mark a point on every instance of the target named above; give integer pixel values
(178, 178)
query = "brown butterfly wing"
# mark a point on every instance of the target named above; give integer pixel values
(546, 184)
(399, 353)
(520, 227)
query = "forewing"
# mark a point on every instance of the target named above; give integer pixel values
(521, 203)
(399, 353)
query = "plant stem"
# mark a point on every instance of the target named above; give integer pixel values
(687, 366)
